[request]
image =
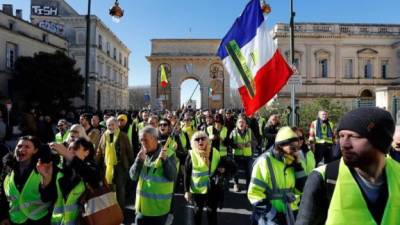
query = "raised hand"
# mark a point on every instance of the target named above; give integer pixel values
(46, 172)
(163, 154)
(142, 154)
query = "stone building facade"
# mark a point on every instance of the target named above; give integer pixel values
(339, 61)
(20, 38)
(342, 61)
(109, 56)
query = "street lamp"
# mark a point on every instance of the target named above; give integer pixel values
(87, 56)
(265, 7)
(116, 12)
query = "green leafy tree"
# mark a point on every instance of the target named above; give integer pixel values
(48, 81)
(309, 111)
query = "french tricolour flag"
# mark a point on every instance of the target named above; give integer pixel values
(252, 58)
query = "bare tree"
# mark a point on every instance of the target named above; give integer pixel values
(235, 101)
(139, 97)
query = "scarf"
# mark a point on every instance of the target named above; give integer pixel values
(110, 158)
(205, 155)
(318, 129)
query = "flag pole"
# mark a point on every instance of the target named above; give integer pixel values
(184, 110)
(293, 87)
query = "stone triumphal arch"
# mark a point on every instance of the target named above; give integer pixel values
(187, 59)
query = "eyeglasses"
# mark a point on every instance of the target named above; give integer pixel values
(200, 139)
(163, 125)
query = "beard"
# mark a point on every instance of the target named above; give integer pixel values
(355, 160)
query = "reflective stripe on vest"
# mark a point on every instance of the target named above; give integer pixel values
(201, 172)
(67, 212)
(246, 140)
(355, 208)
(154, 191)
(130, 133)
(27, 204)
(261, 183)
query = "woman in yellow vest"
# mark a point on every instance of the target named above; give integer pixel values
(202, 165)
(79, 169)
(188, 127)
(22, 200)
(307, 156)
(276, 179)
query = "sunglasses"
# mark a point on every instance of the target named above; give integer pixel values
(163, 125)
(200, 139)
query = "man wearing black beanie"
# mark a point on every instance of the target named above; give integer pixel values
(364, 186)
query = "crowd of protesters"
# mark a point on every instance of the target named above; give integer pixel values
(147, 156)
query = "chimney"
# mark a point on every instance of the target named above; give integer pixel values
(8, 9)
(18, 13)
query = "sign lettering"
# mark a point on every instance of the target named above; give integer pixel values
(44, 10)
(55, 28)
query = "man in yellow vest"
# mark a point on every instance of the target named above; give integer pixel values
(155, 168)
(276, 178)
(114, 155)
(218, 134)
(63, 135)
(321, 137)
(362, 188)
(144, 115)
(394, 151)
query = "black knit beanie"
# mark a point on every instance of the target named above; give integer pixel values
(375, 124)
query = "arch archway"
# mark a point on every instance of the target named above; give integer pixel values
(188, 59)
(187, 87)
(366, 94)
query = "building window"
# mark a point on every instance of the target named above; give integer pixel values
(348, 68)
(11, 55)
(114, 78)
(125, 59)
(100, 42)
(115, 54)
(384, 69)
(120, 58)
(368, 69)
(108, 72)
(81, 38)
(323, 68)
(108, 48)
(11, 25)
(45, 38)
